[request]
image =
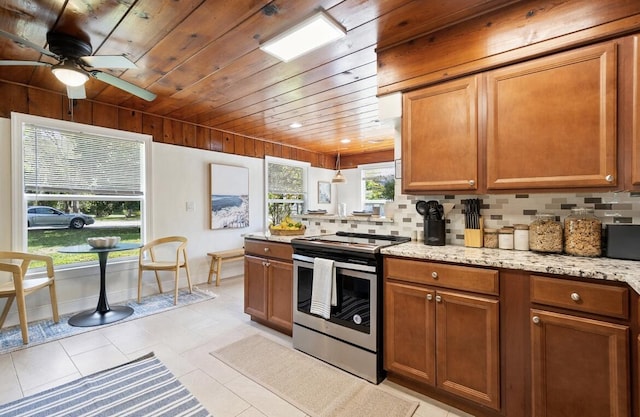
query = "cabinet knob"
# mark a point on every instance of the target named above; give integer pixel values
(266, 249)
(575, 296)
(429, 297)
(472, 183)
(438, 298)
(609, 178)
(434, 275)
(535, 319)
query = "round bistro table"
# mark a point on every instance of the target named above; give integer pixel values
(103, 314)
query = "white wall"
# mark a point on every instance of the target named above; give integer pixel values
(180, 175)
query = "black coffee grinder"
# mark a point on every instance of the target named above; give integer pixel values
(434, 224)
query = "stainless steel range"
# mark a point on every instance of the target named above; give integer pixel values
(351, 338)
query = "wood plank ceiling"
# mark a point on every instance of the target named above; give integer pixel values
(202, 59)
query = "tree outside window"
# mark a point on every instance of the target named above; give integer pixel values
(286, 191)
(378, 185)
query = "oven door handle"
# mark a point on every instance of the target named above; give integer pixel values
(343, 265)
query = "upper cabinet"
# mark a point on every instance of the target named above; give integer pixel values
(551, 122)
(440, 137)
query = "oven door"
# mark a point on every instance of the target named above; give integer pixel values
(354, 318)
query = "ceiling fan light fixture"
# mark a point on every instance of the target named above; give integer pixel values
(312, 33)
(69, 75)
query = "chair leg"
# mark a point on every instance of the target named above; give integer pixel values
(159, 282)
(139, 283)
(175, 297)
(22, 314)
(54, 301)
(6, 309)
(186, 267)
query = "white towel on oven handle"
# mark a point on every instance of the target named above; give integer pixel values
(323, 291)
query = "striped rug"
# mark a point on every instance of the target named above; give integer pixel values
(143, 387)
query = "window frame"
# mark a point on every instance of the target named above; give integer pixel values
(19, 200)
(363, 192)
(305, 179)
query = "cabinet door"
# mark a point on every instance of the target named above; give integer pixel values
(551, 122)
(440, 137)
(468, 347)
(409, 331)
(280, 303)
(580, 367)
(255, 286)
(635, 118)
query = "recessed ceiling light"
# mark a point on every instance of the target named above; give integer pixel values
(295, 125)
(345, 141)
(314, 32)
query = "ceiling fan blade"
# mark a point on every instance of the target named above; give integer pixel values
(9, 63)
(123, 85)
(108, 61)
(76, 92)
(22, 41)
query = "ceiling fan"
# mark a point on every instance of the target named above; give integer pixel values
(76, 64)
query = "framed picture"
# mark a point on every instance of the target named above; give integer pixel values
(229, 197)
(324, 192)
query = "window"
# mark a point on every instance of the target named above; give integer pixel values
(76, 181)
(285, 188)
(378, 184)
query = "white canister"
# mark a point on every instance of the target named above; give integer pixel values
(505, 238)
(521, 237)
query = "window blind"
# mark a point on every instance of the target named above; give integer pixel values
(67, 162)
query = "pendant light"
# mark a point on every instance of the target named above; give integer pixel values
(338, 178)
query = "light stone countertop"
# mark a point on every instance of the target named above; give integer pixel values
(577, 266)
(272, 238)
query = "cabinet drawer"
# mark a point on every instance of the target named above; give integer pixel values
(263, 248)
(443, 275)
(607, 300)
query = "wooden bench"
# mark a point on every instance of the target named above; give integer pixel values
(217, 258)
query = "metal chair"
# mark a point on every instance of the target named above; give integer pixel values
(20, 286)
(158, 255)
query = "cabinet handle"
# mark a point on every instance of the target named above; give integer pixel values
(609, 178)
(438, 298)
(472, 183)
(575, 296)
(434, 275)
(535, 319)
(429, 297)
(266, 249)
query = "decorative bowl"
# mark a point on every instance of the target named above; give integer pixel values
(287, 232)
(103, 242)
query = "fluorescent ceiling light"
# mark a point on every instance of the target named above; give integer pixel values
(69, 75)
(313, 33)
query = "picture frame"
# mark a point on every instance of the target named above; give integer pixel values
(324, 192)
(229, 197)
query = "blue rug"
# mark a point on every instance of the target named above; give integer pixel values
(46, 330)
(143, 387)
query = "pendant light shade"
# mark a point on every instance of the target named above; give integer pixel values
(338, 178)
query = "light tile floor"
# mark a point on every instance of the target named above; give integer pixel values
(182, 338)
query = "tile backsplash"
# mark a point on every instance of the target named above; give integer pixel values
(497, 210)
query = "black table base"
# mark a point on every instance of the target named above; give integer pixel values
(96, 318)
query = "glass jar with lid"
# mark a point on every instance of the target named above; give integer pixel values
(490, 238)
(582, 233)
(505, 238)
(521, 237)
(545, 234)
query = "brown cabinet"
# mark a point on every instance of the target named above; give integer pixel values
(579, 366)
(440, 137)
(551, 122)
(634, 155)
(442, 337)
(268, 289)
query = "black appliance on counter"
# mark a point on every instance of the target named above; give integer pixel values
(623, 241)
(351, 338)
(434, 224)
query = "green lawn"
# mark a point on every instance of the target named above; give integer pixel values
(48, 241)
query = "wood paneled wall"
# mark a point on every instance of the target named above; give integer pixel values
(38, 102)
(523, 30)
